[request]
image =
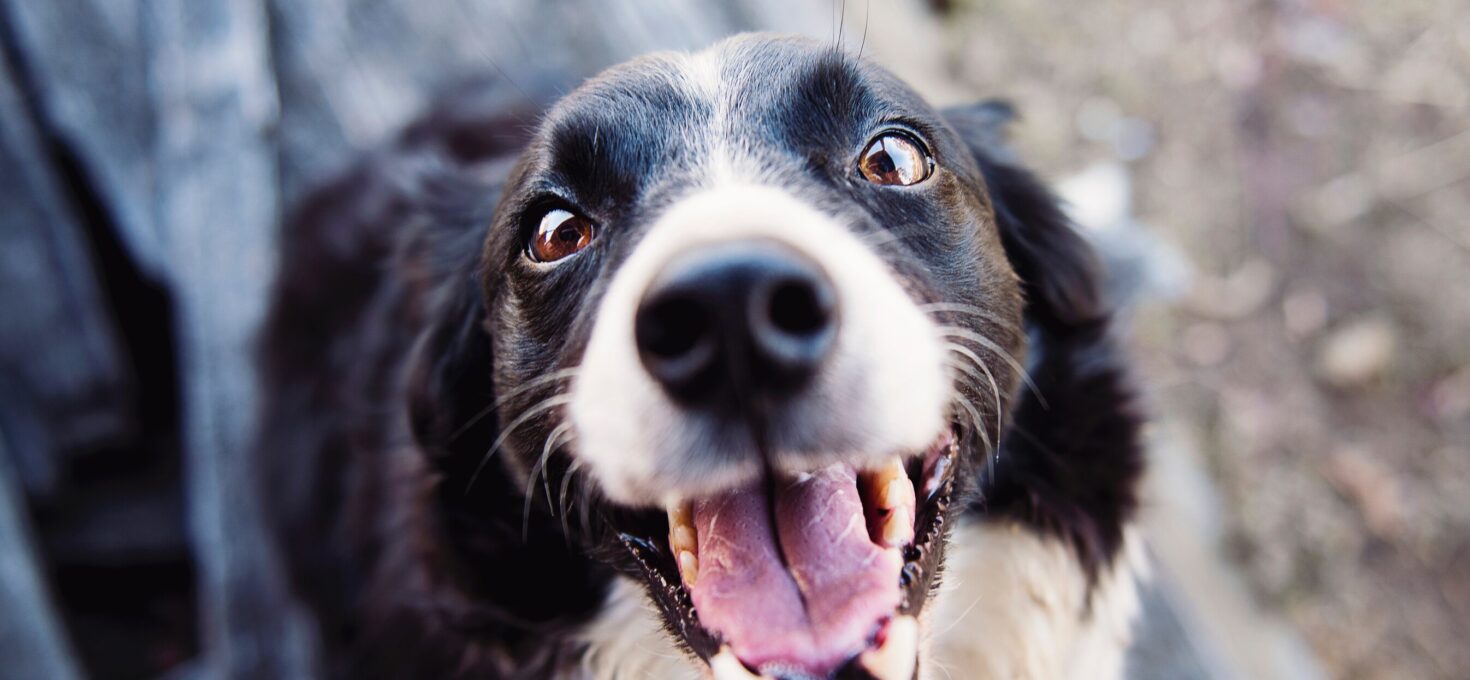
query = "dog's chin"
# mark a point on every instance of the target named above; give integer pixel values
(817, 575)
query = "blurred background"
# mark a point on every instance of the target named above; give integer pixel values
(1280, 188)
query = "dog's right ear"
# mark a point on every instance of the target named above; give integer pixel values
(450, 391)
(1058, 269)
(1070, 462)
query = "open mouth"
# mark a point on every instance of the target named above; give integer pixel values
(819, 575)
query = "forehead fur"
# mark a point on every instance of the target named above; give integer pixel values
(729, 110)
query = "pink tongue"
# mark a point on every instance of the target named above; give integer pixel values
(820, 608)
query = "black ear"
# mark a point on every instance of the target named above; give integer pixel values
(1071, 459)
(1058, 270)
(449, 387)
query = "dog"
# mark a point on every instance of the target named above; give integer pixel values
(743, 363)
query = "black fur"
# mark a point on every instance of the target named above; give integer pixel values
(1071, 461)
(403, 309)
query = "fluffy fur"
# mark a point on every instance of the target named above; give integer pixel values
(402, 345)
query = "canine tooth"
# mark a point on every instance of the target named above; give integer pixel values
(688, 567)
(899, 493)
(898, 528)
(682, 538)
(725, 666)
(899, 654)
(681, 529)
(681, 514)
(885, 483)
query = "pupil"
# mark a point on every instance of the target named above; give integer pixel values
(567, 234)
(883, 162)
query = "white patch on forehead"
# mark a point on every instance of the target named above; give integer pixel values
(724, 162)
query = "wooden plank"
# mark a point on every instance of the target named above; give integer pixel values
(64, 374)
(31, 639)
(352, 73)
(87, 61)
(217, 206)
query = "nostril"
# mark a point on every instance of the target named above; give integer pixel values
(796, 308)
(672, 328)
(747, 318)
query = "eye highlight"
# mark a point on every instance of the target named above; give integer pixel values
(895, 159)
(560, 234)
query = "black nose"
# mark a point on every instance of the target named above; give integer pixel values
(749, 320)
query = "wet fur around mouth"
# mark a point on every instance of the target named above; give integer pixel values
(417, 559)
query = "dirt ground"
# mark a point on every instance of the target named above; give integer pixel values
(1311, 160)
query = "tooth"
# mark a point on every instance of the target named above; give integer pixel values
(682, 538)
(891, 495)
(898, 493)
(681, 529)
(681, 514)
(688, 567)
(889, 485)
(683, 541)
(726, 667)
(891, 471)
(898, 528)
(898, 656)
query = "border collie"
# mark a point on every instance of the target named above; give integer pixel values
(741, 363)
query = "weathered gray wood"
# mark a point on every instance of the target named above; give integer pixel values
(62, 375)
(88, 61)
(217, 207)
(351, 73)
(1165, 647)
(31, 641)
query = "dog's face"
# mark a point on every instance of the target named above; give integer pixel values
(750, 307)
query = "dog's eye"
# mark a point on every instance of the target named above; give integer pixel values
(560, 234)
(895, 159)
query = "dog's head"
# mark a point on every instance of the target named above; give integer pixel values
(756, 322)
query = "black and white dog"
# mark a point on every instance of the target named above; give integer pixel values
(744, 363)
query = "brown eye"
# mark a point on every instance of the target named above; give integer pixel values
(560, 234)
(895, 159)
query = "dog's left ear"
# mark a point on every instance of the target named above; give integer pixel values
(1058, 270)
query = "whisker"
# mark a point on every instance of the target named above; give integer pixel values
(995, 392)
(553, 440)
(961, 617)
(965, 352)
(990, 451)
(962, 308)
(841, 25)
(994, 387)
(987, 343)
(541, 407)
(519, 390)
(584, 512)
(566, 482)
(539, 470)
